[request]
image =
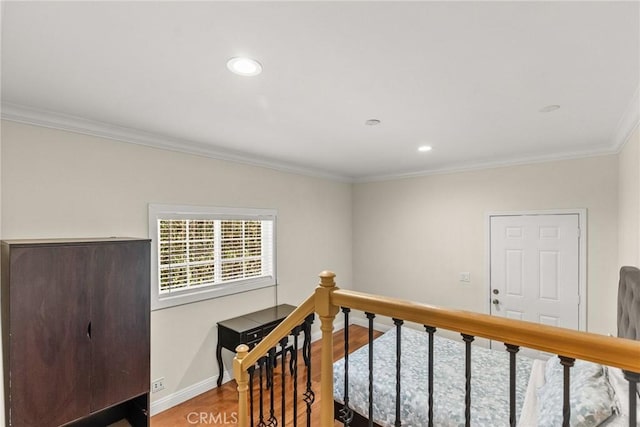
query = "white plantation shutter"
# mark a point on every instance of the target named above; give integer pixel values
(209, 252)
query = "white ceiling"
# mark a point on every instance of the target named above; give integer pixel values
(467, 78)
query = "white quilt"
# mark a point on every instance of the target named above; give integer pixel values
(489, 382)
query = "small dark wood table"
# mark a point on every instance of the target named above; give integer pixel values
(251, 328)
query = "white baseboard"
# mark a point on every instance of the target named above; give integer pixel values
(210, 383)
(186, 393)
(382, 327)
(337, 325)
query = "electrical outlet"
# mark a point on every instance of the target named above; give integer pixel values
(157, 385)
(465, 277)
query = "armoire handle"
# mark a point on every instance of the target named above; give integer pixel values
(89, 330)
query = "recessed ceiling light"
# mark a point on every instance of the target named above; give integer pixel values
(424, 148)
(372, 122)
(244, 66)
(549, 108)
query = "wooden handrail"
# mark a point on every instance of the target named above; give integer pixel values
(327, 312)
(242, 379)
(327, 298)
(621, 353)
(244, 359)
(294, 319)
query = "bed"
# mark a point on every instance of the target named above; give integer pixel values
(599, 395)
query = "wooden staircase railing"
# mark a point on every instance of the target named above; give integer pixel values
(328, 298)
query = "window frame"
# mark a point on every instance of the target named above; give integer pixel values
(183, 212)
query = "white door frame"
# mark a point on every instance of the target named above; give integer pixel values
(582, 256)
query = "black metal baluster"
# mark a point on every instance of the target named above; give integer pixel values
(283, 348)
(267, 370)
(430, 330)
(468, 339)
(398, 323)
(309, 395)
(512, 349)
(261, 423)
(567, 362)
(633, 378)
(370, 316)
(346, 414)
(251, 376)
(271, 364)
(294, 357)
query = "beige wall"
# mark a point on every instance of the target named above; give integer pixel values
(408, 238)
(629, 202)
(2, 417)
(412, 237)
(61, 184)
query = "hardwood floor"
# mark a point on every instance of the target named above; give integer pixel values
(218, 406)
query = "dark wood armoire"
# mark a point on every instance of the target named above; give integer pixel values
(75, 331)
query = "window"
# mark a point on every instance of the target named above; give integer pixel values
(206, 252)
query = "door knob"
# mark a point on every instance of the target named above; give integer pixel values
(496, 302)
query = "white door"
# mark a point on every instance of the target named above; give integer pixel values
(534, 271)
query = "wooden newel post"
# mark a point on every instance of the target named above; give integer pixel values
(327, 313)
(242, 378)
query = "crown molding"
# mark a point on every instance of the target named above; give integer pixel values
(38, 117)
(470, 167)
(626, 126)
(59, 121)
(628, 122)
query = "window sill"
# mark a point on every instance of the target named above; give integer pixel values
(217, 291)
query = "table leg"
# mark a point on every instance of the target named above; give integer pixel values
(271, 363)
(293, 360)
(220, 367)
(306, 346)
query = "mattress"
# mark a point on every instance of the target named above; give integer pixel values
(489, 381)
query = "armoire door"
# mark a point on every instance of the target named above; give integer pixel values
(120, 322)
(50, 349)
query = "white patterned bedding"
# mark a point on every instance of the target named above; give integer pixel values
(489, 381)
